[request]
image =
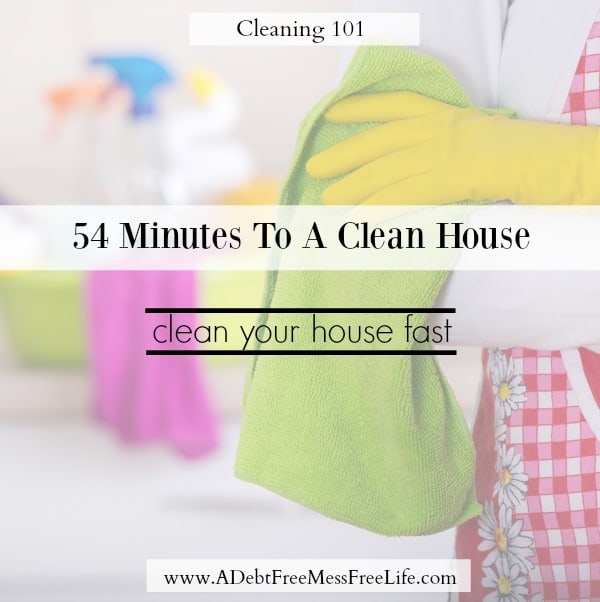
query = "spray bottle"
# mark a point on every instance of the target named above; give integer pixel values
(147, 178)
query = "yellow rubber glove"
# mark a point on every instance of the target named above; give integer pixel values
(428, 152)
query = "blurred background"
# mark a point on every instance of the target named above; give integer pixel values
(47, 43)
(81, 505)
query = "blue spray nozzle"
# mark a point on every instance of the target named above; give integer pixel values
(141, 74)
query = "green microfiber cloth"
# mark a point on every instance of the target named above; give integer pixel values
(376, 441)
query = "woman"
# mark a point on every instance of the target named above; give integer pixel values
(538, 427)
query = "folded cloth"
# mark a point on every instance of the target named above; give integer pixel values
(376, 441)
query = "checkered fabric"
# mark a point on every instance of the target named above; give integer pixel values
(538, 462)
(561, 456)
(545, 444)
(583, 103)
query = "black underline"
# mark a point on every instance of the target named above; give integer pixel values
(416, 352)
(300, 310)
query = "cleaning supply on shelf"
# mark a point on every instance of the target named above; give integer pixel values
(142, 150)
(82, 104)
(376, 441)
(259, 191)
(145, 398)
(201, 132)
(64, 99)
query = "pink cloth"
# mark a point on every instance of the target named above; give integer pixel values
(538, 461)
(146, 398)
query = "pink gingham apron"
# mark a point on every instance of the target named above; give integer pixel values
(538, 457)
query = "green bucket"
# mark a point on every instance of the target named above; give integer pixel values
(44, 316)
(45, 319)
